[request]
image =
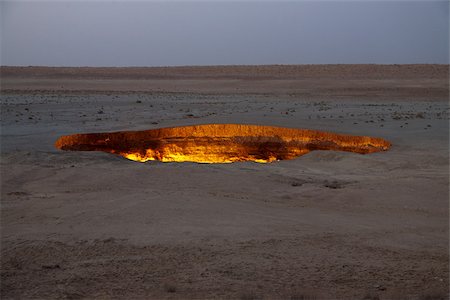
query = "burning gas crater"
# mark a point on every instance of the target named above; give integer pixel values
(219, 143)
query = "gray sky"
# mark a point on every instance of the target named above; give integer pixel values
(120, 33)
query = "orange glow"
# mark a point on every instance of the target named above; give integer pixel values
(219, 143)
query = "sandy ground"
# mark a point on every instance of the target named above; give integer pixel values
(325, 225)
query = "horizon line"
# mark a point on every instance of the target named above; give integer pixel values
(224, 65)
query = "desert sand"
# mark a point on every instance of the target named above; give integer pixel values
(326, 225)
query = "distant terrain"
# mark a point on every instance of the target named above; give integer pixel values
(314, 81)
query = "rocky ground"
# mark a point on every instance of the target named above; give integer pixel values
(325, 225)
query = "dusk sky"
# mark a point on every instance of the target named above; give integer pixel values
(146, 33)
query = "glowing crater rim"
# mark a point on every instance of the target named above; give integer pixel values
(219, 143)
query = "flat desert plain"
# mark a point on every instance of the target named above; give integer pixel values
(327, 225)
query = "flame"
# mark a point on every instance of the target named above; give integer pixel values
(219, 143)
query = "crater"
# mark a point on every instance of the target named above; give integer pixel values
(219, 143)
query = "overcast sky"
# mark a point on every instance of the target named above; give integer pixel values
(121, 33)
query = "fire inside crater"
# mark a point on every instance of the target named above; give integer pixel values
(219, 143)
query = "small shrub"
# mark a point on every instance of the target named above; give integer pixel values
(170, 288)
